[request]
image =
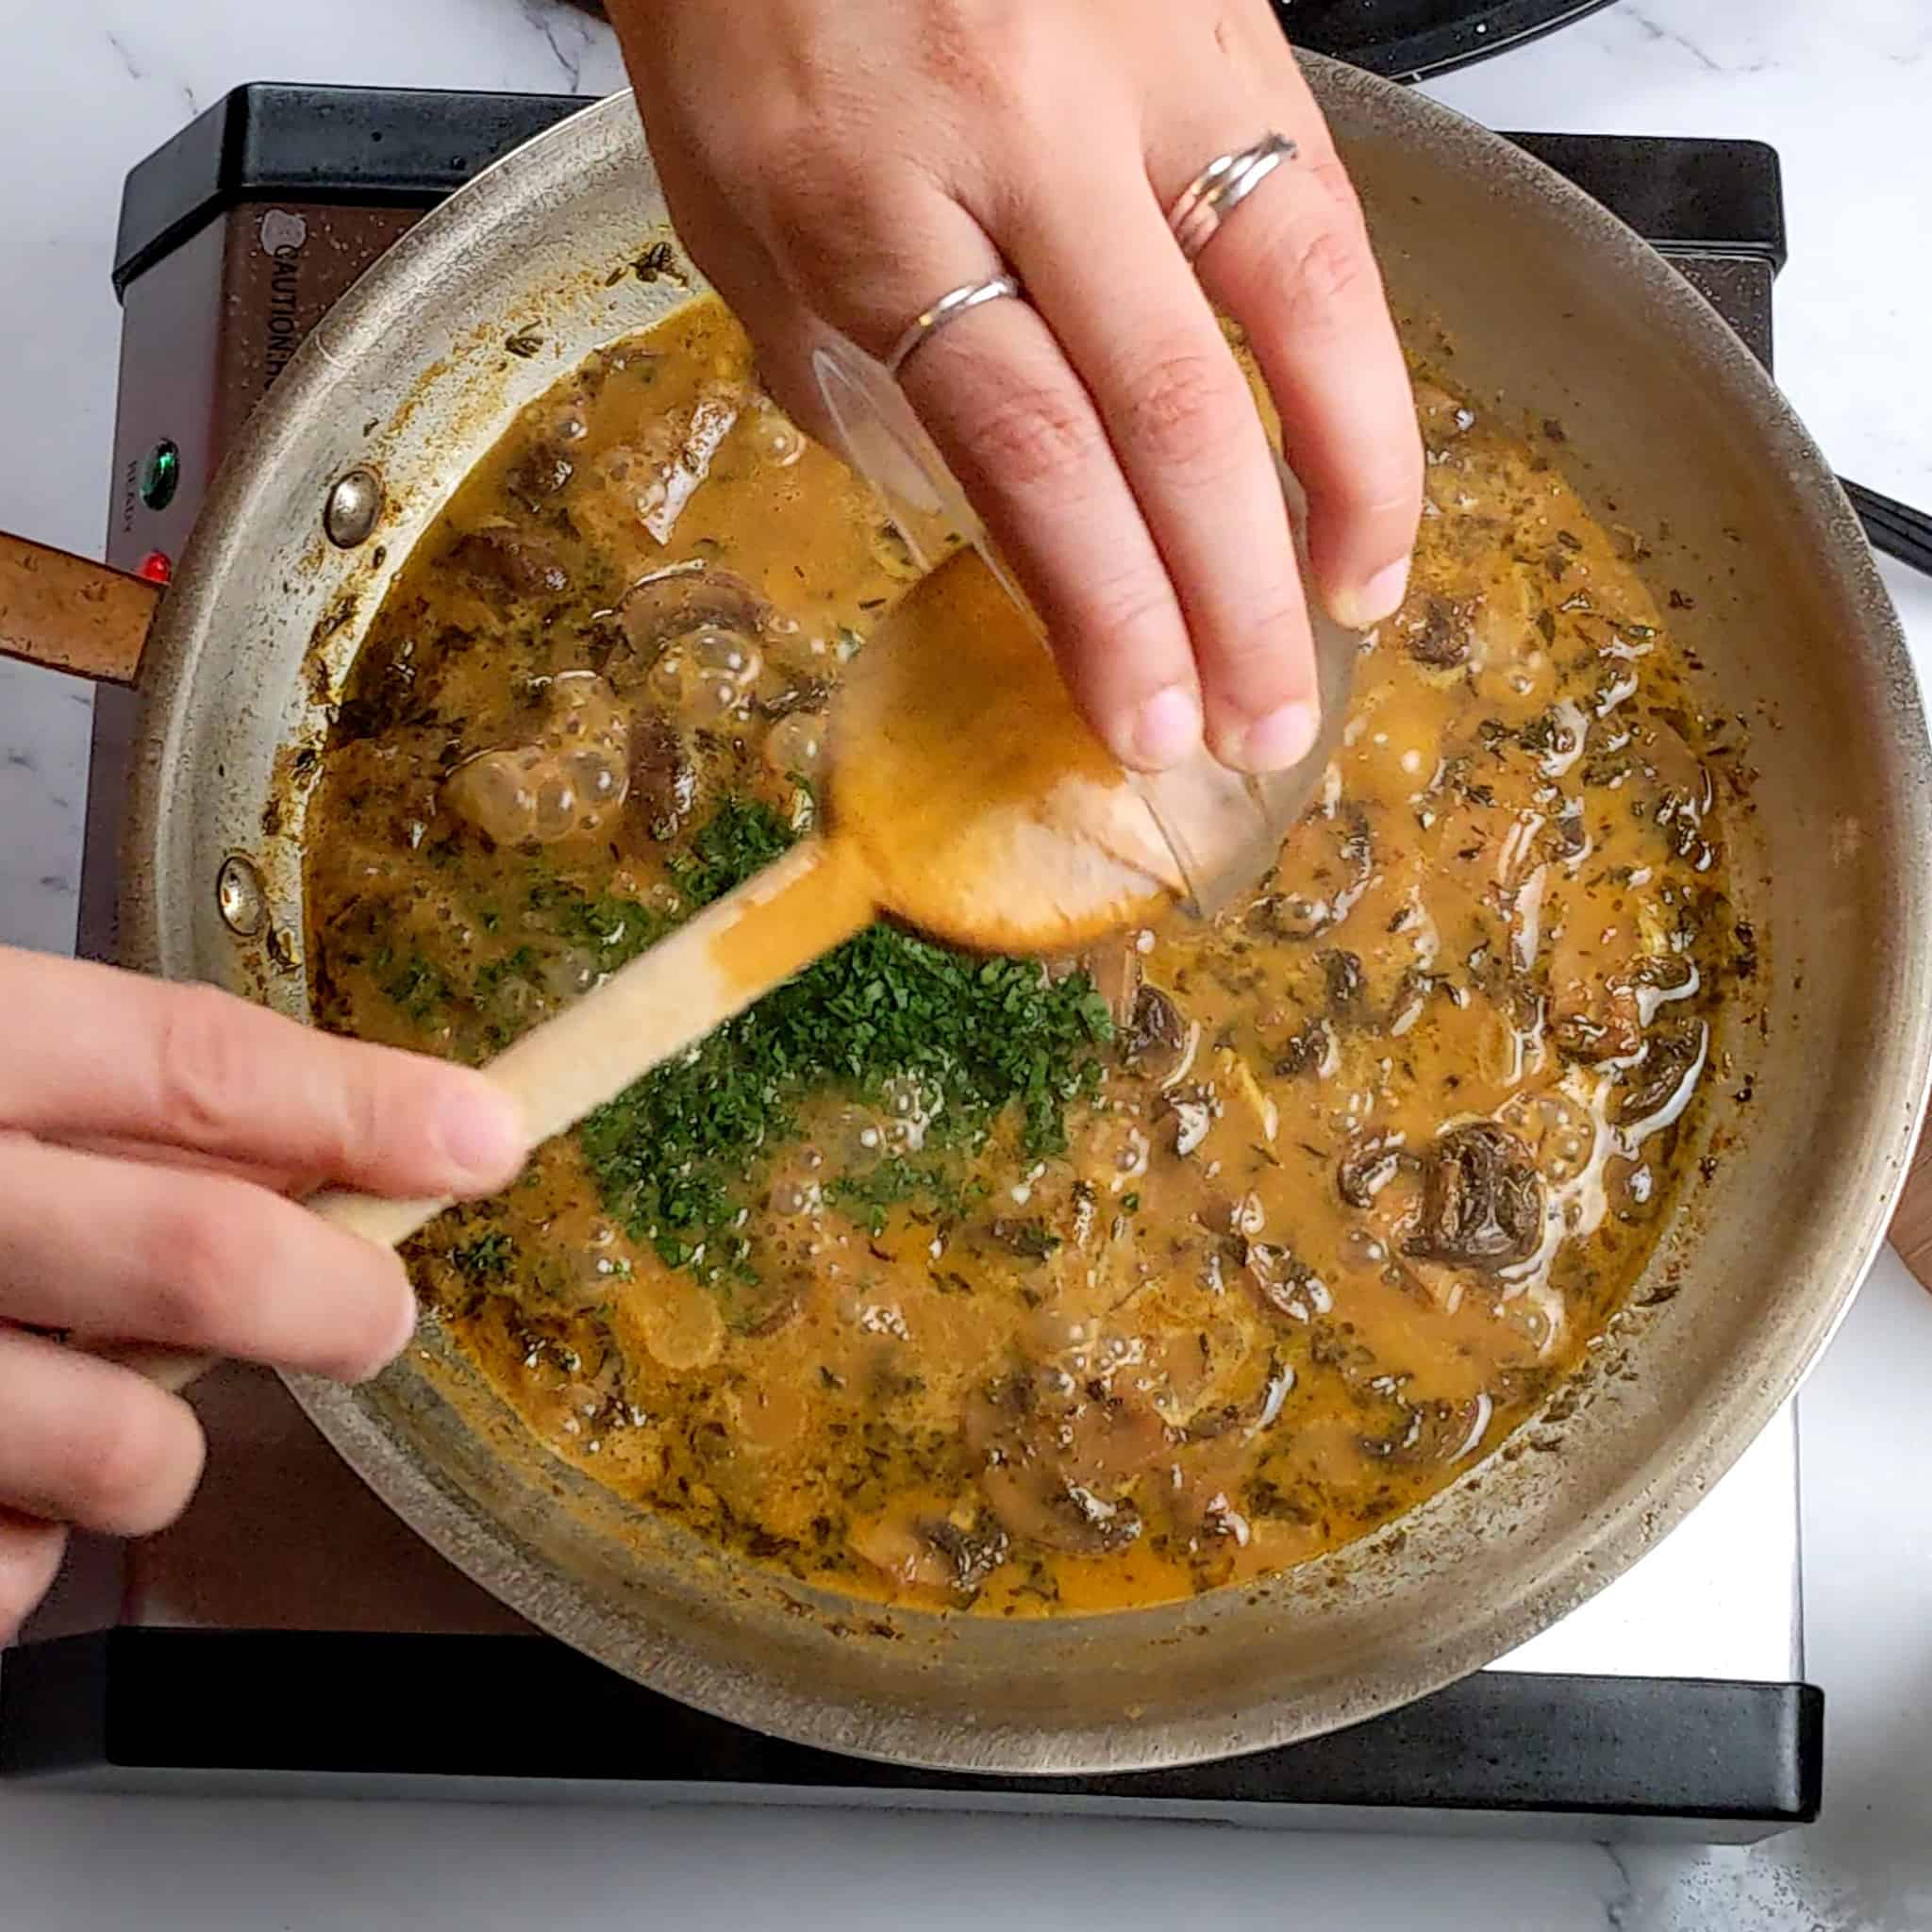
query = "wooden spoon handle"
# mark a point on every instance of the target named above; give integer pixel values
(666, 1000)
(708, 972)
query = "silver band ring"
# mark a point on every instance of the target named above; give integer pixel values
(1222, 186)
(949, 308)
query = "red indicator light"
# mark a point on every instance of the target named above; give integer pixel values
(157, 567)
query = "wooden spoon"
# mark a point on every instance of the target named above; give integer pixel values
(967, 798)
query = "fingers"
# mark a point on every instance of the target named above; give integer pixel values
(119, 1250)
(96, 1052)
(735, 264)
(867, 248)
(1018, 429)
(1295, 266)
(30, 1553)
(85, 1443)
(1184, 432)
(1021, 433)
(182, 1159)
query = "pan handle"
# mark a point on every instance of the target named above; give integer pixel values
(67, 615)
(1892, 527)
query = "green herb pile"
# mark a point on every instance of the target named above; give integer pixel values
(681, 1154)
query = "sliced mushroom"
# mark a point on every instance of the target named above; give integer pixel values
(667, 603)
(1190, 1117)
(921, 1551)
(1368, 1166)
(1565, 838)
(1285, 1283)
(1482, 1199)
(666, 467)
(1439, 635)
(1059, 1461)
(972, 1554)
(1326, 863)
(1595, 1022)
(663, 779)
(1432, 1432)
(1158, 1042)
(1556, 737)
(501, 555)
(1341, 973)
(1659, 1087)
(539, 474)
(1307, 1051)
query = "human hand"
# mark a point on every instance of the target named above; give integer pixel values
(149, 1135)
(851, 161)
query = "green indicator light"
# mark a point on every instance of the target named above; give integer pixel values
(161, 475)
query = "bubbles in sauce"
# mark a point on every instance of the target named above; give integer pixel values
(1273, 1228)
(567, 781)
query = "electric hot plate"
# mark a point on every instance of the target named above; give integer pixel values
(290, 1634)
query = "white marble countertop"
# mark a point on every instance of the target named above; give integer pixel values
(87, 89)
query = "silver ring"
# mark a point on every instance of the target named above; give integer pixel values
(949, 308)
(1222, 186)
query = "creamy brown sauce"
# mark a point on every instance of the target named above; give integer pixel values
(1079, 1308)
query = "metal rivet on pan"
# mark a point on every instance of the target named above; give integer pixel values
(243, 900)
(352, 506)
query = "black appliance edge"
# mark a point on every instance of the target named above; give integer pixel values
(413, 147)
(187, 1709)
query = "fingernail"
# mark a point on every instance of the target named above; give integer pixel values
(1283, 738)
(1380, 597)
(1165, 729)
(482, 1132)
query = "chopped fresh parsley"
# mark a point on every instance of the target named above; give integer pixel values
(485, 1260)
(678, 1155)
(872, 1195)
(416, 986)
(619, 929)
(740, 838)
(517, 965)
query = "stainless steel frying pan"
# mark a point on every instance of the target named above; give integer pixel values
(1541, 303)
